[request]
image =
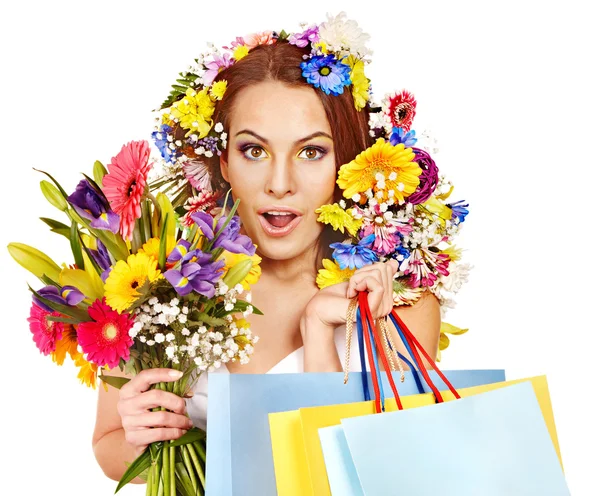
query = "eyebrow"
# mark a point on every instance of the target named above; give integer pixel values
(297, 142)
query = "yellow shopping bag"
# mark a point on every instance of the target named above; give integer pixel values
(298, 459)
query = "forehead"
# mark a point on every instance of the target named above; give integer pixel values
(278, 110)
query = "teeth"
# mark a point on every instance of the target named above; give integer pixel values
(279, 213)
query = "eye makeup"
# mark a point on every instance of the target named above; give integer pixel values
(243, 147)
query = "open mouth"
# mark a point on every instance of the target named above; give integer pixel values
(279, 222)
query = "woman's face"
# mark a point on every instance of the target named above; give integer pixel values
(281, 165)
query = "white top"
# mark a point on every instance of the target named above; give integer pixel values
(293, 363)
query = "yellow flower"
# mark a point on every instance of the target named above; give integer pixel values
(152, 247)
(88, 372)
(332, 274)
(124, 280)
(444, 339)
(217, 90)
(454, 253)
(66, 344)
(322, 45)
(338, 218)
(383, 168)
(233, 258)
(360, 83)
(194, 112)
(433, 205)
(240, 51)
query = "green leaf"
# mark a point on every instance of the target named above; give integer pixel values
(162, 249)
(190, 436)
(76, 246)
(54, 224)
(99, 171)
(184, 479)
(56, 183)
(114, 381)
(140, 464)
(211, 321)
(66, 320)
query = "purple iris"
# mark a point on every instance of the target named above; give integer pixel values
(400, 136)
(196, 273)
(90, 203)
(327, 73)
(102, 259)
(458, 210)
(355, 256)
(307, 36)
(181, 249)
(230, 239)
(67, 295)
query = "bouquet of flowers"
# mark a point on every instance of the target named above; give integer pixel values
(151, 285)
(394, 207)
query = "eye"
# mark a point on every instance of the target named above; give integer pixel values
(315, 153)
(255, 152)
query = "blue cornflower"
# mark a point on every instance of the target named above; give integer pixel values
(458, 210)
(162, 143)
(355, 256)
(400, 136)
(327, 73)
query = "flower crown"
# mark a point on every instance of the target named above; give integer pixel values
(395, 199)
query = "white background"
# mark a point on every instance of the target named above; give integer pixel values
(509, 90)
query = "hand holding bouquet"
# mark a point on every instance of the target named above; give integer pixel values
(152, 285)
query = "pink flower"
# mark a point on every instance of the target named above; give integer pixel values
(197, 173)
(45, 332)
(125, 183)
(106, 339)
(205, 201)
(255, 39)
(216, 65)
(425, 266)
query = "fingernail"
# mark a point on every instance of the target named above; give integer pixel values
(175, 373)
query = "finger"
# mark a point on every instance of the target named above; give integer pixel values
(374, 287)
(147, 436)
(357, 282)
(152, 399)
(157, 419)
(142, 381)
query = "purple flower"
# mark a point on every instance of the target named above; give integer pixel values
(102, 259)
(213, 67)
(458, 210)
(196, 273)
(181, 249)
(205, 222)
(307, 36)
(355, 256)
(231, 239)
(67, 295)
(89, 202)
(400, 136)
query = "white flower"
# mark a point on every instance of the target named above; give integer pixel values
(239, 288)
(152, 301)
(218, 127)
(185, 331)
(142, 339)
(344, 36)
(170, 351)
(185, 310)
(202, 329)
(228, 307)
(159, 337)
(182, 317)
(157, 308)
(170, 337)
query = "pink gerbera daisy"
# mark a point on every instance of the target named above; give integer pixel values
(125, 183)
(106, 339)
(45, 332)
(203, 202)
(400, 108)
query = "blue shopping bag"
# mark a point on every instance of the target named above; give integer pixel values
(239, 456)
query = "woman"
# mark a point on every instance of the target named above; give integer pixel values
(287, 140)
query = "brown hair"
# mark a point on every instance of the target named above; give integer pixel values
(280, 61)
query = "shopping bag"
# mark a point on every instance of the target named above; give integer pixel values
(494, 443)
(239, 456)
(299, 461)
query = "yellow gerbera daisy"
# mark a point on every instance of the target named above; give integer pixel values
(338, 218)
(332, 274)
(88, 372)
(360, 83)
(152, 247)
(386, 169)
(194, 112)
(125, 278)
(217, 90)
(232, 259)
(240, 51)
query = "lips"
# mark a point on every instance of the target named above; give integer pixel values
(279, 220)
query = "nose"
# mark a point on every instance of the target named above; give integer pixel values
(281, 181)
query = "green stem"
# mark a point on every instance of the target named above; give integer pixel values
(197, 464)
(149, 481)
(172, 469)
(189, 466)
(200, 450)
(166, 467)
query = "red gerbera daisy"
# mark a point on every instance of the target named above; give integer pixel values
(202, 202)
(400, 109)
(45, 332)
(106, 339)
(125, 183)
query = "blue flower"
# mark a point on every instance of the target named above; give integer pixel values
(400, 136)
(327, 73)
(162, 143)
(401, 253)
(355, 256)
(458, 210)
